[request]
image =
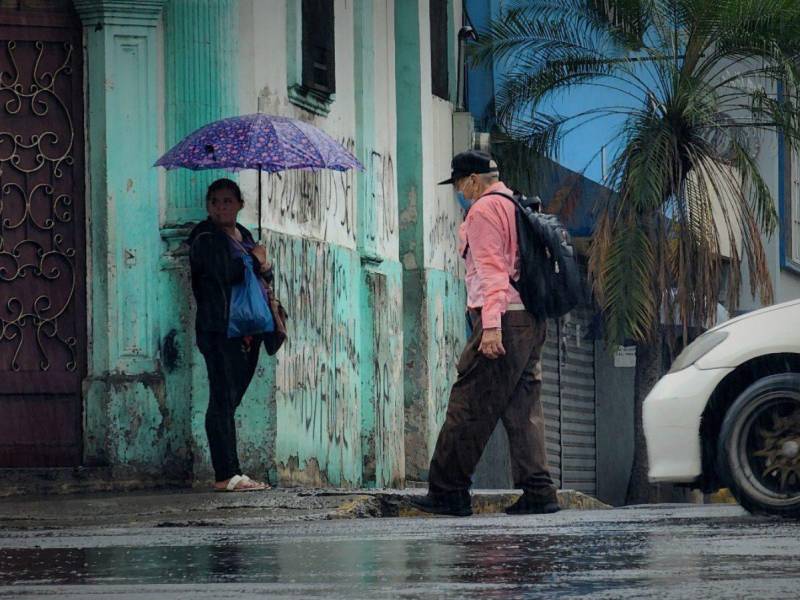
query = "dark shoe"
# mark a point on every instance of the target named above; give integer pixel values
(456, 504)
(528, 504)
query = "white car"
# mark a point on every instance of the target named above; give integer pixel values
(728, 412)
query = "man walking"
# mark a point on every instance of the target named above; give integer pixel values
(499, 371)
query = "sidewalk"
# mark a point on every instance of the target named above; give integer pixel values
(191, 508)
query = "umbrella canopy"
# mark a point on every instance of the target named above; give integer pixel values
(262, 142)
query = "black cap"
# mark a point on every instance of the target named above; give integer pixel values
(469, 162)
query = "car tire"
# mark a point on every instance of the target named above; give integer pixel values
(758, 451)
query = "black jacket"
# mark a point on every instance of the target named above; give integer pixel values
(214, 273)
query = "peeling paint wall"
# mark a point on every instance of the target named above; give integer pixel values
(131, 422)
(319, 205)
(334, 240)
(190, 104)
(433, 290)
(332, 408)
(317, 372)
(442, 215)
(445, 292)
(446, 300)
(146, 392)
(382, 415)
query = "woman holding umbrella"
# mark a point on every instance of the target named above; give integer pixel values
(222, 252)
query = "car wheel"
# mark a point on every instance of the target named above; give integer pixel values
(759, 446)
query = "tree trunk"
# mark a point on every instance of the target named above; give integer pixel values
(648, 372)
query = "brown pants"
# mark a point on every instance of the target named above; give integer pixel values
(486, 391)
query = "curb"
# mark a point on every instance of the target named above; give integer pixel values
(388, 505)
(359, 507)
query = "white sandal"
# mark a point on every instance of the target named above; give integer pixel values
(234, 482)
(265, 485)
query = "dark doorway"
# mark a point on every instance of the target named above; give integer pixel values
(42, 239)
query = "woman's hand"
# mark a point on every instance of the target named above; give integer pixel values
(260, 252)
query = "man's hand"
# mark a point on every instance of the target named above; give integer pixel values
(492, 343)
(260, 252)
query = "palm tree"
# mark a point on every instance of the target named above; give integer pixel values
(701, 79)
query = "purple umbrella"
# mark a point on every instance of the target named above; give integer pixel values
(262, 142)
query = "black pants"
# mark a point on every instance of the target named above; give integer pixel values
(231, 365)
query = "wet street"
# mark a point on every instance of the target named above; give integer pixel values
(654, 552)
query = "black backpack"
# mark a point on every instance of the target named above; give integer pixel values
(549, 280)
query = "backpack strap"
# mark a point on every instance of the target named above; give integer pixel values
(514, 199)
(517, 205)
(504, 195)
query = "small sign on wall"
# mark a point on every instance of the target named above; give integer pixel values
(625, 357)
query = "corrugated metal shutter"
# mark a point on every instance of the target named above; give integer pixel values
(552, 401)
(578, 441)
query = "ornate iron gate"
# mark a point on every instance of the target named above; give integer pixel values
(42, 246)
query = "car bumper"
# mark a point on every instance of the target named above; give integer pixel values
(671, 415)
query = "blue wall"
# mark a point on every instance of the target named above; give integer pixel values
(581, 149)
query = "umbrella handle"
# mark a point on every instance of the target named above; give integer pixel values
(259, 203)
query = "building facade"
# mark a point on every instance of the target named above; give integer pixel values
(98, 366)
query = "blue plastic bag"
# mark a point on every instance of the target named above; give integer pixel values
(249, 311)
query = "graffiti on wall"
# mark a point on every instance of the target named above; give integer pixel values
(384, 455)
(318, 372)
(446, 305)
(317, 377)
(382, 202)
(322, 204)
(319, 204)
(441, 248)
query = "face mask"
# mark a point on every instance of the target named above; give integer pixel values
(465, 204)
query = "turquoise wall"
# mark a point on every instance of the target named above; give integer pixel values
(333, 408)
(131, 421)
(410, 189)
(445, 302)
(317, 377)
(146, 392)
(201, 75)
(434, 299)
(380, 283)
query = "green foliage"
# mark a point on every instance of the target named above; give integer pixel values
(704, 81)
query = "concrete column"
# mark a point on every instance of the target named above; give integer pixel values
(201, 75)
(433, 291)
(126, 414)
(381, 370)
(408, 74)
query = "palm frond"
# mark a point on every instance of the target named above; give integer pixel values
(625, 274)
(704, 80)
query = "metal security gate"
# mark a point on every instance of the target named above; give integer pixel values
(551, 399)
(578, 441)
(568, 393)
(42, 247)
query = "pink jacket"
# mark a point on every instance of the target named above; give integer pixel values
(490, 231)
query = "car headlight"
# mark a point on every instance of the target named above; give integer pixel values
(698, 349)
